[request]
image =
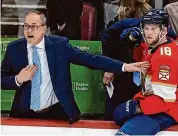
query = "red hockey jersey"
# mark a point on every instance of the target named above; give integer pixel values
(162, 79)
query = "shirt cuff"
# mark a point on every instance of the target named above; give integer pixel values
(123, 67)
(18, 84)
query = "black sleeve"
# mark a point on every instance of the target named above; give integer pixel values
(109, 37)
(55, 12)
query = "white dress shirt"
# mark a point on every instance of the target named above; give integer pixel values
(47, 95)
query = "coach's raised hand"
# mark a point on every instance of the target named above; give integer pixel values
(138, 66)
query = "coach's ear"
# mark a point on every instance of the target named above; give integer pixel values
(45, 27)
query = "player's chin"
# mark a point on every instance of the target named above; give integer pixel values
(150, 42)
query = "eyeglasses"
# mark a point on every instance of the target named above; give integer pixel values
(33, 27)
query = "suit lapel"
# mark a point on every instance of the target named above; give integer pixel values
(50, 53)
(22, 54)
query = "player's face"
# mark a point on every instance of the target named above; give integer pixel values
(151, 32)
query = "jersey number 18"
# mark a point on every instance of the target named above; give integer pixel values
(165, 51)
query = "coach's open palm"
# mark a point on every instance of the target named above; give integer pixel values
(138, 66)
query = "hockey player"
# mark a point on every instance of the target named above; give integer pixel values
(155, 107)
(115, 45)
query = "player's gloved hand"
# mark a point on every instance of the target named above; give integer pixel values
(133, 35)
(124, 111)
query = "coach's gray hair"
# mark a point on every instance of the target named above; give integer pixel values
(42, 16)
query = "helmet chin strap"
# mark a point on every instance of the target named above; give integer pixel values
(160, 39)
(141, 30)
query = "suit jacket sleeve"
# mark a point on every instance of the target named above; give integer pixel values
(97, 62)
(110, 37)
(7, 76)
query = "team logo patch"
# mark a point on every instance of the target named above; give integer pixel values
(164, 72)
